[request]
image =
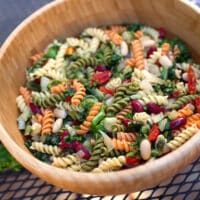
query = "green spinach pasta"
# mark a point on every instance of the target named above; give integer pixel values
(112, 98)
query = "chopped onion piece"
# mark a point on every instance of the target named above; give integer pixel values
(107, 141)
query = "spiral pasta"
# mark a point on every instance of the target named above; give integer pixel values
(151, 32)
(74, 42)
(35, 58)
(84, 128)
(176, 51)
(121, 115)
(21, 103)
(154, 56)
(58, 88)
(122, 145)
(118, 29)
(165, 48)
(141, 117)
(97, 153)
(158, 99)
(117, 127)
(114, 83)
(107, 53)
(129, 137)
(138, 54)
(80, 93)
(138, 34)
(45, 99)
(98, 33)
(44, 148)
(185, 111)
(183, 100)
(193, 119)
(114, 37)
(82, 62)
(47, 122)
(26, 94)
(117, 106)
(182, 137)
(130, 62)
(64, 162)
(110, 164)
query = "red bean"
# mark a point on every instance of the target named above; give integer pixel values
(154, 108)
(177, 123)
(137, 106)
(151, 50)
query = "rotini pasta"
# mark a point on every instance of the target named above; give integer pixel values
(49, 149)
(80, 93)
(84, 128)
(138, 54)
(110, 164)
(47, 121)
(64, 162)
(182, 137)
(122, 145)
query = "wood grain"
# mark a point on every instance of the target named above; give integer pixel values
(69, 17)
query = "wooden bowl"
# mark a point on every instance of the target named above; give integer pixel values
(63, 18)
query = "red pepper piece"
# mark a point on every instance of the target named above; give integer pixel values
(102, 77)
(132, 160)
(191, 80)
(197, 104)
(63, 145)
(153, 133)
(126, 121)
(68, 99)
(176, 94)
(106, 91)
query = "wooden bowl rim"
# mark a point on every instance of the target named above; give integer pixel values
(126, 176)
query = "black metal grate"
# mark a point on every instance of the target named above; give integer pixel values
(23, 185)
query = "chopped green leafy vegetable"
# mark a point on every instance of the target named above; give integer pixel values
(7, 162)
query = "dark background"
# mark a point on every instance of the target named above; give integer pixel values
(12, 12)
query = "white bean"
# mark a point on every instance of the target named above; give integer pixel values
(165, 61)
(57, 125)
(124, 49)
(60, 113)
(145, 149)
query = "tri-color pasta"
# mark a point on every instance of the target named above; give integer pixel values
(111, 98)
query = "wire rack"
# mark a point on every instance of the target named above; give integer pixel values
(25, 186)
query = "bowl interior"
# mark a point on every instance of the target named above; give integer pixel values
(68, 18)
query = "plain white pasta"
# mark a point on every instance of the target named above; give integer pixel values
(154, 57)
(151, 32)
(51, 64)
(114, 83)
(21, 103)
(60, 60)
(145, 98)
(50, 69)
(64, 162)
(110, 164)
(96, 32)
(74, 42)
(75, 167)
(141, 117)
(182, 137)
(44, 148)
